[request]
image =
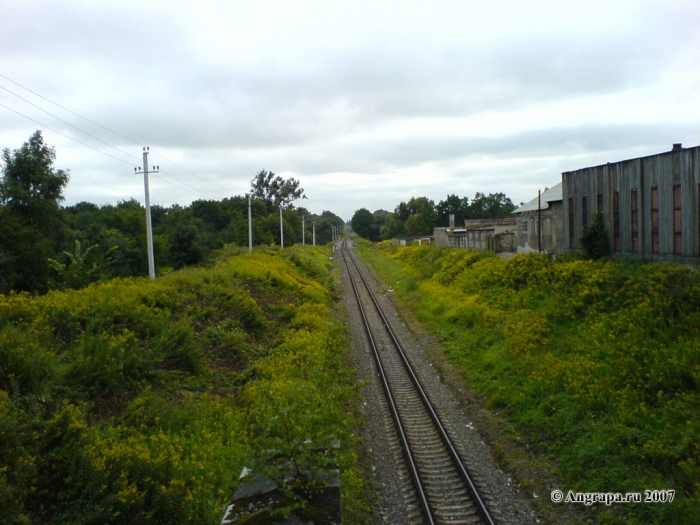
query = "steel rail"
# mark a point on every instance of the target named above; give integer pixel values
(412, 467)
(481, 505)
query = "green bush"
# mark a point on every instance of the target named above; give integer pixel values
(596, 362)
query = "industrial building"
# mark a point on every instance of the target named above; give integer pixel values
(649, 205)
(478, 234)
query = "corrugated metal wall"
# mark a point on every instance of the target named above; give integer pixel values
(667, 228)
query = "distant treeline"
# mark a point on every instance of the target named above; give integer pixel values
(46, 246)
(420, 215)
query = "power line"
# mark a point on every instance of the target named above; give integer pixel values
(106, 129)
(188, 171)
(69, 111)
(191, 188)
(63, 134)
(69, 124)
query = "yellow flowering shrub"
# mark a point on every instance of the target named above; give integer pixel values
(135, 402)
(598, 362)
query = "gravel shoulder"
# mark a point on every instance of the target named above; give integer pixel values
(475, 429)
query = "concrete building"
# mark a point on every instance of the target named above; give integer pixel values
(650, 204)
(479, 234)
(540, 223)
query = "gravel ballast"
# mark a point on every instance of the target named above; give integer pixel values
(394, 493)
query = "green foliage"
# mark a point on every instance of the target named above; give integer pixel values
(30, 192)
(18, 467)
(83, 267)
(361, 223)
(491, 206)
(595, 240)
(187, 236)
(452, 205)
(26, 367)
(140, 402)
(275, 191)
(41, 245)
(30, 186)
(420, 215)
(596, 362)
(185, 248)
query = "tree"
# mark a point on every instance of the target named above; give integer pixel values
(31, 219)
(324, 231)
(418, 225)
(30, 186)
(491, 206)
(595, 240)
(276, 191)
(452, 205)
(369, 225)
(379, 219)
(361, 223)
(393, 227)
(422, 218)
(185, 248)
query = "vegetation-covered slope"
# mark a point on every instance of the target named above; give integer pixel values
(597, 363)
(140, 402)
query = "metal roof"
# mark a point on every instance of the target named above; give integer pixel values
(551, 195)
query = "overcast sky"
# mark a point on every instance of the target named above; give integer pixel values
(367, 103)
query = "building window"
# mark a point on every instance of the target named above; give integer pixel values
(523, 225)
(616, 221)
(635, 221)
(677, 221)
(572, 236)
(655, 220)
(584, 211)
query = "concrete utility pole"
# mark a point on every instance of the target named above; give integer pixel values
(314, 225)
(281, 230)
(149, 228)
(250, 227)
(539, 222)
(303, 229)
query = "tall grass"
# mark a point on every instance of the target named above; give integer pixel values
(597, 362)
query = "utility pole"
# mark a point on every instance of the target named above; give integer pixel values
(314, 225)
(281, 230)
(149, 228)
(539, 221)
(303, 230)
(250, 227)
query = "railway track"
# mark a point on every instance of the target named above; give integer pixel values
(445, 490)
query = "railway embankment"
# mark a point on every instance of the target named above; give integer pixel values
(583, 377)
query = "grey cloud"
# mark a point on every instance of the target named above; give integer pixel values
(307, 116)
(74, 32)
(378, 155)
